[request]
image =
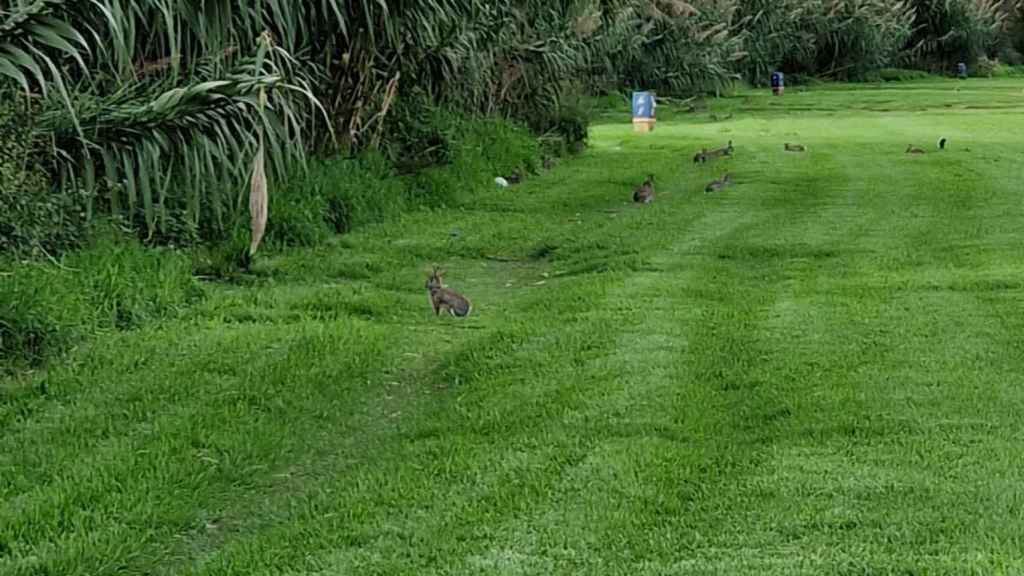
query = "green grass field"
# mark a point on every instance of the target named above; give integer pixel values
(818, 371)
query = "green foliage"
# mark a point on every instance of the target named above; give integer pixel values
(27, 332)
(35, 217)
(856, 38)
(901, 75)
(845, 39)
(126, 285)
(1000, 70)
(478, 151)
(115, 283)
(358, 191)
(299, 214)
(950, 31)
(671, 46)
(226, 258)
(567, 125)
(155, 106)
(334, 195)
(779, 35)
(1013, 38)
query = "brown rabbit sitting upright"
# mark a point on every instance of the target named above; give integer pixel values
(645, 192)
(444, 299)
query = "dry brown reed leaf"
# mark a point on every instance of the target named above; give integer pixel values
(258, 200)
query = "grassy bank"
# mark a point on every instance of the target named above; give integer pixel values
(816, 371)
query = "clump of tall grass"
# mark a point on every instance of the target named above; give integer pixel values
(113, 284)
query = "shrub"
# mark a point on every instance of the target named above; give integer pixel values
(952, 31)
(224, 259)
(127, 285)
(36, 217)
(27, 332)
(823, 37)
(477, 150)
(1014, 35)
(674, 47)
(856, 38)
(174, 227)
(567, 124)
(1006, 71)
(779, 34)
(339, 194)
(115, 283)
(1010, 55)
(298, 213)
(984, 67)
(352, 192)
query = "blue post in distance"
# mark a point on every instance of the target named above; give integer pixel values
(643, 111)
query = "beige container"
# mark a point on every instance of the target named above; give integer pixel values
(643, 125)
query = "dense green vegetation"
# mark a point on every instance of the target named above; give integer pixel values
(816, 371)
(152, 111)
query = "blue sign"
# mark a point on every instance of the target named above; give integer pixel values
(643, 105)
(961, 70)
(778, 80)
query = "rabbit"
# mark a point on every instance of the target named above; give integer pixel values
(718, 185)
(911, 149)
(942, 143)
(795, 147)
(727, 151)
(444, 299)
(645, 192)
